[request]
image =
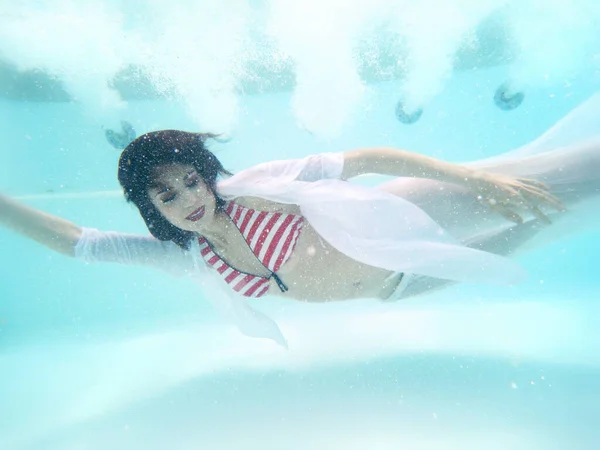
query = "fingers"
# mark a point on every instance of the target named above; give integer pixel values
(553, 201)
(508, 214)
(512, 216)
(503, 210)
(535, 183)
(535, 194)
(510, 196)
(528, 202)
(540, 215)
(507, 207)
(538, 191)
(515, 199)
(548, 199)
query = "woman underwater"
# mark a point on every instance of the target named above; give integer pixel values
(300, 229)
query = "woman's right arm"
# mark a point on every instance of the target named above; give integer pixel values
(53, 232)
(91, 245)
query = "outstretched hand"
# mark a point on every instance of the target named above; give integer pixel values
(509, 196)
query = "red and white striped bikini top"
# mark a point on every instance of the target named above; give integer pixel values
(271, 237)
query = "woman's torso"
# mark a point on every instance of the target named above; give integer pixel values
(319, 272)
(315, 271)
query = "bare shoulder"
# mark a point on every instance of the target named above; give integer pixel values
(262, 204)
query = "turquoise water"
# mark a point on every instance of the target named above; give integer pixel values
(101, 356)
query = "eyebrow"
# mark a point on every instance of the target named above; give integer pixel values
(162, 188)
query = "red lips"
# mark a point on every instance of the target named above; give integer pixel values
(196, 215)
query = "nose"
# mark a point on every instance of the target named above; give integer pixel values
(189, 197)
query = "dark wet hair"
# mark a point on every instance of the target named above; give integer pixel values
(137, 171)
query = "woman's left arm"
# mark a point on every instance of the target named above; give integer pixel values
(401, 163)
(502, 193)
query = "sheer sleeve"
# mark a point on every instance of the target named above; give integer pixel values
(322, 167)
(130, 249)
(311, 168)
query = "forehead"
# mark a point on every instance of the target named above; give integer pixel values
(170, 174)
(173, 170)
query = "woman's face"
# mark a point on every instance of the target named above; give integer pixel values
(182, 197)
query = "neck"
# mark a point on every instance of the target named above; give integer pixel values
(220, 228)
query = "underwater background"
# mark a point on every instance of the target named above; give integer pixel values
(101, 356)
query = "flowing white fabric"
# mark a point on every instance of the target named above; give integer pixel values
(135, 250)
(233, 306)
(383, 230)
(373, 226)
(581, 124)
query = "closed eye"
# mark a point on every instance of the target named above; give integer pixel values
(168, 198)
(193, 182)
